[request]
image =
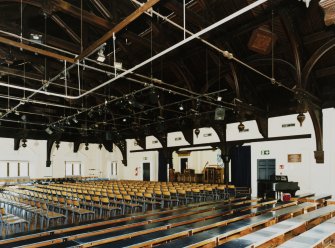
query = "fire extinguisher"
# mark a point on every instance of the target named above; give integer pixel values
(136, 171)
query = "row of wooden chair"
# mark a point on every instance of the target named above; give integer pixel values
(199, 194)
(10, 223)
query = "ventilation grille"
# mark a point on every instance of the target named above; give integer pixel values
(207, 134)
(288, 125)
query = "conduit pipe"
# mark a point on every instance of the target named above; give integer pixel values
(230, 56)
(84, 65)
(24, 100)
(192, 37)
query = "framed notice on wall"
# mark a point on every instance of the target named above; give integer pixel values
(294, 158)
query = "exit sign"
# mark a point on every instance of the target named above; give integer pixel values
(265, 152)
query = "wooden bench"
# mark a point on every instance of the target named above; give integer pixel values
(302, 196)
(175, 228)
(136, 228)
(318, 236)
(222, 234)
(277, 234)
(135, 219)
(319, 199)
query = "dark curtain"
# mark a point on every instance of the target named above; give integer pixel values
(241, 166)
(162, 167)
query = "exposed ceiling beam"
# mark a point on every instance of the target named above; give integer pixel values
(36, 50)
(191, 17)
(50, 40)
(51, 6)
(325, 72)
(78, 13)
(66, 28)
(16, 72)
(157, 47)
(102, 9)
(129, 19)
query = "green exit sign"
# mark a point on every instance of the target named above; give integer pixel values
(265, 152)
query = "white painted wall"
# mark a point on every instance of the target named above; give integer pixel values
(312, 177)
(136, 160)
(35, 153)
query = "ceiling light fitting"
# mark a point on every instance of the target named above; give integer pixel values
(101, 56)
(301, 117)
(24, 141)
(240, 127)
(57, 144)
(197, 132)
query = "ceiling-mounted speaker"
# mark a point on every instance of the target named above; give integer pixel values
(220, 114)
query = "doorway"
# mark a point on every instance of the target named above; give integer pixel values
(265, 168)
(241, 166)
(183, 164)
(146, 171)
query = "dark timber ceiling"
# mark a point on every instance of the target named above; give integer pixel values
(148, 100)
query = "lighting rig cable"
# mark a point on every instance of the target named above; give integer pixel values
(196, 35)
(173, 47)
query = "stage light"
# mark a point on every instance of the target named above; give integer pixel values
(74, 119)
(101, 56)
(48, 130)
(90, 113)
(181, 107)
(36, 37)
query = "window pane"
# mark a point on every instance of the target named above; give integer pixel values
(24, 169)
(13, 169)
(68, 169)
(114, 168)
(76, 169)
(3, 169)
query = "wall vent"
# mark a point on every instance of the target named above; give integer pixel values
(288, 125)
(155, 142)
(207, 134)
(245, 130)
(177, 139)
